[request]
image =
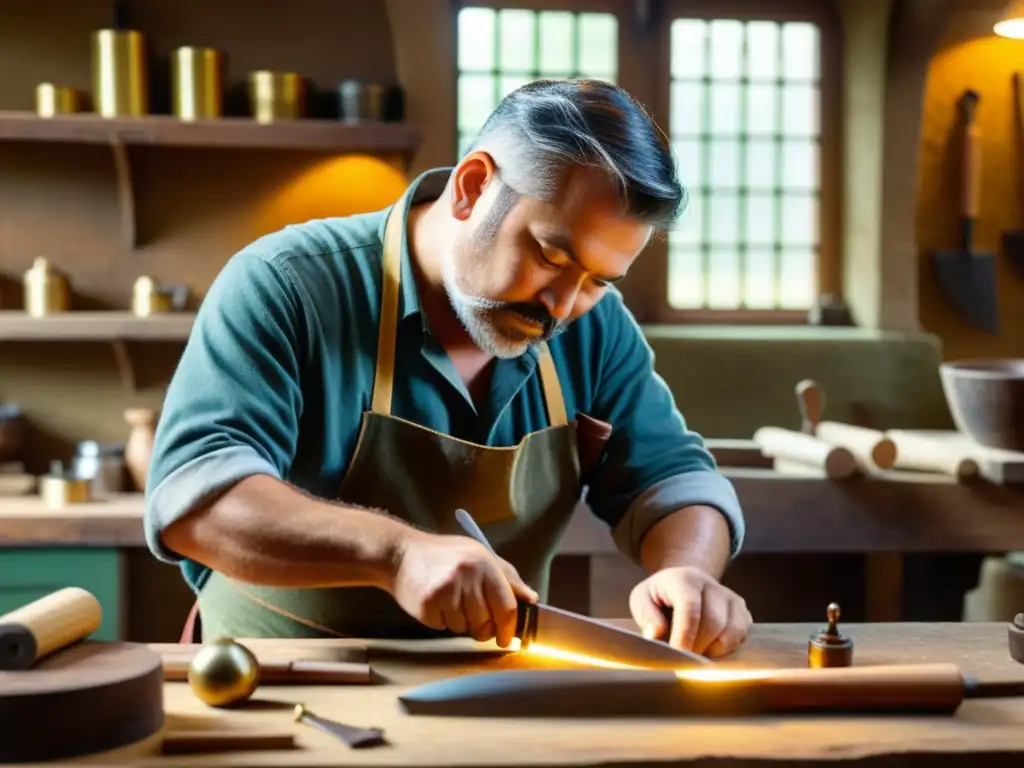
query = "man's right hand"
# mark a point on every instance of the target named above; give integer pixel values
(456, 583)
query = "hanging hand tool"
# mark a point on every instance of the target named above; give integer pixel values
(1013, 240)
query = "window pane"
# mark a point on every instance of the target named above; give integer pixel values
(760, 213)
(690, 228)
(465, 141)
(476, 39)
(724, 282)
(800, 165)
(724, 162)
(799, 220)
(798, 278)
(725, 220)
(725, 109)
(476, 100)
(760, 170)
(599, 45)
(508, 83)
(762, 50)
(687, 109)
(800, 110)
(556, 43)
(762, 109)
(685, 279)
(759, 279)
(800, 51)
(689, 153)
(688, 40)
(516, 33)
(726, 48)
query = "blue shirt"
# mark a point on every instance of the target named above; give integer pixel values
(279, 368)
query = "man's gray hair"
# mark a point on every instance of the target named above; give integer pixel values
(540, 132)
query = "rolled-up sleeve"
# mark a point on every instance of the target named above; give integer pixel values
(653, 464)
(232, 407)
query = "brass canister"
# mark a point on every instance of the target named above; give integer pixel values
(47, 289)
(120, 85)
(53, 100)
(276, 96)
(197, 88)
(151, 298)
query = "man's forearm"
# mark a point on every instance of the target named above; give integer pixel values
(696, 536)
(263, 531)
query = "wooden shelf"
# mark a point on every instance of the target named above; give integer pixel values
(115, 328)
(15, 325)
(223, 133)
(330, 136)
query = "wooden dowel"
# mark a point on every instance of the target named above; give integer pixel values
(283, 671)
(199, 742)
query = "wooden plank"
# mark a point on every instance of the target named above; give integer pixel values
(895, 512)
(15, 325)
(223, 133)
(985, 732)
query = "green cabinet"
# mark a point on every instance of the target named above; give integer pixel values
(26, 574)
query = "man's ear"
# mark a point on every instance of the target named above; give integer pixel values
(469, 180)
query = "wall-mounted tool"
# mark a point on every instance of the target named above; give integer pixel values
(1013, 240)
(968, 278)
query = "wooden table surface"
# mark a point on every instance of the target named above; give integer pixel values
(986, 732)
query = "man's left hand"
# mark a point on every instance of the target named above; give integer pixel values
(691, 610)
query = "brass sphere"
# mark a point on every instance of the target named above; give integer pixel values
(223, 672)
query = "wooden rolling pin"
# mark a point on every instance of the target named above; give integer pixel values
(285, 672)
(925, 451)
(793, 447)
(53, 622)
(870, 447)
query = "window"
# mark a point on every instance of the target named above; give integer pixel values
(744, 118)
(501, 49)
(748, 96)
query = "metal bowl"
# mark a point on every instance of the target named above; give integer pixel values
(986, 400)
(12, 430)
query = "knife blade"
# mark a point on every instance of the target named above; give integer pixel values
(571, 632)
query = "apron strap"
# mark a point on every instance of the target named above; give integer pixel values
(553, 399)
(384, 377)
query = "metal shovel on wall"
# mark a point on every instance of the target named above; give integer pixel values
(967, 278)
(1013, 240)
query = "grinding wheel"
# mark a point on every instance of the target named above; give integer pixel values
(90, 697)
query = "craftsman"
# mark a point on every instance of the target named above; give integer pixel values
(350, 382)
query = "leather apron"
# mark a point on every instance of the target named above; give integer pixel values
(522, 496)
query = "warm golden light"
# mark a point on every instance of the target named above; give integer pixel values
(697, 675)
(575, 658)
(722, 675)
(1012, 22)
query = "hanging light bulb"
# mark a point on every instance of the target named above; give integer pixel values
(1011, 24)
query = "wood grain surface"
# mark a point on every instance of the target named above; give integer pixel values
(984, 732)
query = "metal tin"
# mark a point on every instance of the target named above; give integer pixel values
(47, 290)
(120, 85)
(59, 489)
(102, 465)
(53, 100)
(361, 101)
(150, 298)
(197, 88)
(276, 96)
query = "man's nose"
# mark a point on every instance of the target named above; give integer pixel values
(560, 297)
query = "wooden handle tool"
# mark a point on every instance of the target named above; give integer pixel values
(925, 451)
(870, 447)
(284, 671)
(53, 622)
(799, 448)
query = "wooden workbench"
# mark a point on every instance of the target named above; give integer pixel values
(987, 733)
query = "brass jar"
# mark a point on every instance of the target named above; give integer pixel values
(276, 96)
(47, 289)
(120, 86)
(197, 89)
(53, 100)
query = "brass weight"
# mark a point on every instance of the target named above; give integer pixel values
(830, 648)
(223, 673)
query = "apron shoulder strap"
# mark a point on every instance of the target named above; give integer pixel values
(553, 398)
(384, 378)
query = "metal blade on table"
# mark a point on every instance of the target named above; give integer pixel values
(572, 633)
